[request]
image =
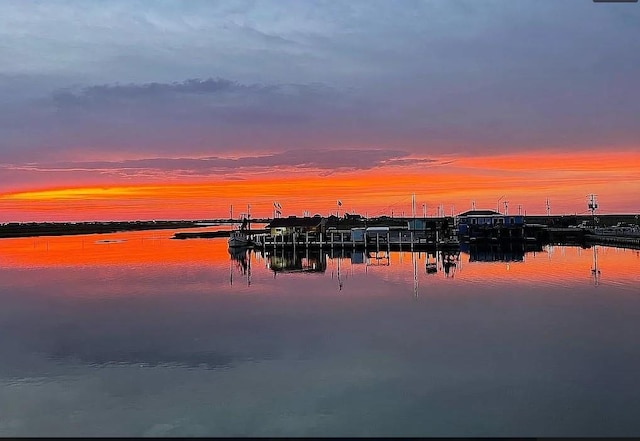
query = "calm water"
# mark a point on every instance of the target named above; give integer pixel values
(137, 334)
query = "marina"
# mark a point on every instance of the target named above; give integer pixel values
(480, 227)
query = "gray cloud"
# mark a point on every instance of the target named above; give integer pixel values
(197, 101)
(121, 78)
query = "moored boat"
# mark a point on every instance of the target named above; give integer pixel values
(239, 239)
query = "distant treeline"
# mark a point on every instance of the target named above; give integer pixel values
(68, 228)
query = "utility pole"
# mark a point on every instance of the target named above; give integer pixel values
(424, 211)
(413, 205)
(593, 206)
(519, 209)
(506, 208)
(231, 212)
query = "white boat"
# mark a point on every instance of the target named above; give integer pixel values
(239, 238)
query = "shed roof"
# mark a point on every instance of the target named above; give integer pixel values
(480, 213)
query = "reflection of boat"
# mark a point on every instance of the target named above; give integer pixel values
(239, 238)
(239, 255)
(242, 258)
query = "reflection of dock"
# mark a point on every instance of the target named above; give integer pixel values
(316, 261)
(304, 261)
(378, 258)
(504, 252)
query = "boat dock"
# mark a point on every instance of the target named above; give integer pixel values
(353, 232)
(342, 241)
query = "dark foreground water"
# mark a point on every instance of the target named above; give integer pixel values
(136, 334)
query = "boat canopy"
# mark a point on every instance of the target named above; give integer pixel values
(378, 230)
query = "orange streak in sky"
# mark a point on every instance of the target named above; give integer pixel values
(525, 179)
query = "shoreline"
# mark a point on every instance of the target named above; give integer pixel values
(8, 231)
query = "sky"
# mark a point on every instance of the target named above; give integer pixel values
(179, 109)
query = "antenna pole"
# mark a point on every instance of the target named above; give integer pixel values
(413, 205)
(498, 203)
(593, 206)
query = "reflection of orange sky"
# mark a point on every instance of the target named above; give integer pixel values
(526, 180)
(153, 249)
(555, 265)
(559, 263)
(132, 248)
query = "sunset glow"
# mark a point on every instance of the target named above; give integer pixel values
(454, 182)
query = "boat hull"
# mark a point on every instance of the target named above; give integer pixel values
(238, 242)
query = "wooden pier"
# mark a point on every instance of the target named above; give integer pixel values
(385, 242)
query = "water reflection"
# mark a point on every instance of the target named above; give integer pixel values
(595, 272)
(140, 334)
(164, 259)
(288, 261)
(493, 264)
(506, 252)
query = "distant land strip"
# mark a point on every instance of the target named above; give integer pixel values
(72, 228)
